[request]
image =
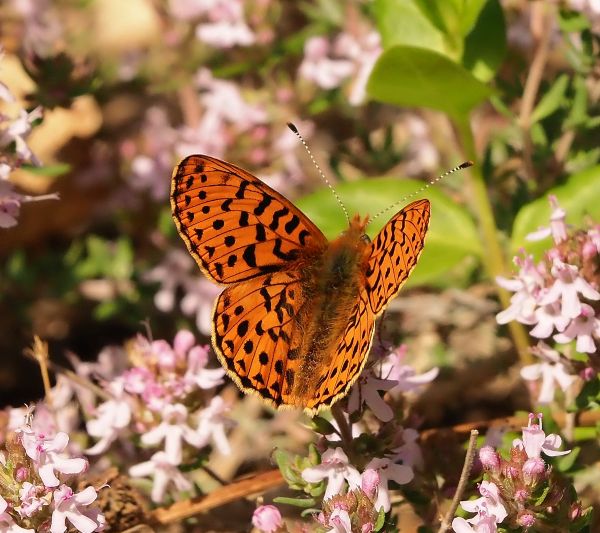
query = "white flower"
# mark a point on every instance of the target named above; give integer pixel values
(336, 469)
(163, 472)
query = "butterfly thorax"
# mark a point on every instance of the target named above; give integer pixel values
(333, 284)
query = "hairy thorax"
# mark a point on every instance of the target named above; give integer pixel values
(331, 292)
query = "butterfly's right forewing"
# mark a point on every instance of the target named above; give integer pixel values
(394, 253)
(235, 226)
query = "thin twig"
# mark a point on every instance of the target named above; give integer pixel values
(532, 83)
(75, 378)
(39, 352)
(236, 490)
(345, 429)
(464, 478)
(214, 475)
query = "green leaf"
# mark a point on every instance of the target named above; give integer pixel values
(552, 100)
(415, 77)
(451, 238)
(49, 171)
(402, 22)
(380, 520)
(485, 45)
(573, 21)
(304, 503)
(565, 463)
(579, 196)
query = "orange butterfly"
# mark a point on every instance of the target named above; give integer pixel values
(296, 321)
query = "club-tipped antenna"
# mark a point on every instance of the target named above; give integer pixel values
(466, 164)
(339, 200)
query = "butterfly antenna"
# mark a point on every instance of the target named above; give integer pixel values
(466, 164)
(337, 197)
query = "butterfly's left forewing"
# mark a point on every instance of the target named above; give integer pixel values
(394, 253)
(235, 226)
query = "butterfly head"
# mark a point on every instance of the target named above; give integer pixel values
(356, 231)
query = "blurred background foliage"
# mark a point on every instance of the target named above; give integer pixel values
(382, 90)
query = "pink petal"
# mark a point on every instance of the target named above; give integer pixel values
(86, 496)
(81, 522)
(47, 476)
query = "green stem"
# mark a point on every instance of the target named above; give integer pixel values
(493, 256)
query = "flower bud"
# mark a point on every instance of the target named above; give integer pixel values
(521, 495)
(489, 458)
(267, 518)
(526, 519)
(370, 482)
(21, 474)
(534, 469)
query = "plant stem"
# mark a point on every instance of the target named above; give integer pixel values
(464, 478)
(493, 257)
(345, 429)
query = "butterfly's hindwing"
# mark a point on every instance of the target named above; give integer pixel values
(235, 226)
(394, 253)
(256, 333)
(349, 357)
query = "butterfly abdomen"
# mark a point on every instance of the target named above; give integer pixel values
(332, 296)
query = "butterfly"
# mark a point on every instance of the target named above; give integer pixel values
(295, 322)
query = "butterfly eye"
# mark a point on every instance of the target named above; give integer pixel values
(365, 238)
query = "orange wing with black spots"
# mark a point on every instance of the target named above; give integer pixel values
(257, 335)
(395, 252)
(235, 226)
(349, 358)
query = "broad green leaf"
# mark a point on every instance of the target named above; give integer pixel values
(552, 100)
(415, 77)
(452, 236)
(453, 17)
(485, 45)
(579, 197)
(402, 22)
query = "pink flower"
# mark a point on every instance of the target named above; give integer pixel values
(7, 524)
(16, 130)
(173, 430)
(48, 456)
(551, 370)
(566, 288)
(582, 328)
(163, 473)
(339, 521)
(388, 470)
(113, 416)
(369, 482)
(367, 391)
(409, 451)
(536, 441)
(197, 373)
(480, 523)
(490, 501)
(317, 66)
(549, 317)
(31, 502)
(267, 518)
(336, 469)
(212, 423)
(557, 228)
(67, 507)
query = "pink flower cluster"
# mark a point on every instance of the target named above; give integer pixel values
(15, 127)
(521, 491)
(163, 402)
(351, 56)
(559, 298)
(390, 375)
(36, 479)
(222, 23)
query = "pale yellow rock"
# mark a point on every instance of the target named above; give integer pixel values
(125, 24)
